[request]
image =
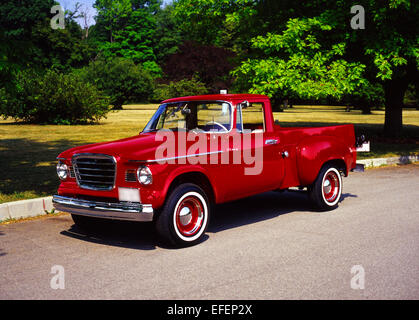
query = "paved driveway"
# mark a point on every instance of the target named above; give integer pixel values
(270, 246)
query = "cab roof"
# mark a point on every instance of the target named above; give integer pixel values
(218, 97)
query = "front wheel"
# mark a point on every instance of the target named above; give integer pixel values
(326, 190)
(184, 217)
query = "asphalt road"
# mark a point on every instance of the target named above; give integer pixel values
(270, 246)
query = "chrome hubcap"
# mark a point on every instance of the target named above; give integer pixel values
(185, 216)
(327, 186)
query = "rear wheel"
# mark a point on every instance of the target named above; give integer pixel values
(326, 190)
(184, 217)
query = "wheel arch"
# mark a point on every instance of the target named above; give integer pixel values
(195, 177)
(338, 164)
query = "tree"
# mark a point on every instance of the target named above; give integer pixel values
(126, 28)
(17, 20)
(214, 22)
(120, 79)
(61, 49)
(387, 49)
(167, 37)
(86, 15)
(391, 45)
(210, 64)
(180, 88)
(28, 41)
(296, 64)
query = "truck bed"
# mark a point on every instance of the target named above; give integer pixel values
(295, 139)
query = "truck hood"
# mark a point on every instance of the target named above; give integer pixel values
(141, 147)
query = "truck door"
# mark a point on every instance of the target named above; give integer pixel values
(262, 168)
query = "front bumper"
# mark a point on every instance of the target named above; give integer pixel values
(108, 210)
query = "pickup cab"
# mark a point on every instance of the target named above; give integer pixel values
(196, 152)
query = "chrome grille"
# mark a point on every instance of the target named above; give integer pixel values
(94, 171)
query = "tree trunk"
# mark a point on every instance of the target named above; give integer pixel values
(394, 91)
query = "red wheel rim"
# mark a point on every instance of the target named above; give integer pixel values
(189, 216)
(331, 186)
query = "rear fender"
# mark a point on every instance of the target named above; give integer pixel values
(315, 151)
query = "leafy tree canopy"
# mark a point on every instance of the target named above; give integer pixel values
(312, 49)
(120, 79)
(126, 28)
(28, 41)
(168, 35)
(296, 64)
(216, 22)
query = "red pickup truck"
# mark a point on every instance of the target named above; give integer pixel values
(196, 152)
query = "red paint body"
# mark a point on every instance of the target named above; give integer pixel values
(308, 150)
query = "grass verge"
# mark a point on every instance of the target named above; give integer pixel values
(14, 220)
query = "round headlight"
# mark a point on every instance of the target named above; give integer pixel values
(144, 175)
(62, 170)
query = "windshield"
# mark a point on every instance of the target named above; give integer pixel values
(194, 115)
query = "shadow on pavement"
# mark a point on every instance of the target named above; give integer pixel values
(257, 208)
(137, 235)
(347, 195)
(132, 235)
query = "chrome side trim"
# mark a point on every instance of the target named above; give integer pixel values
(177, 157)
(108, 210)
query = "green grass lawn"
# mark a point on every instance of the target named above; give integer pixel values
(28, 152)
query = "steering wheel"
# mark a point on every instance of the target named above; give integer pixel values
(216, 123)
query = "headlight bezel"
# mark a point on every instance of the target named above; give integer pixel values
(144, 175)
(62, 170)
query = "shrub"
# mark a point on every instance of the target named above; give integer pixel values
(53, 98)
(121, 79)
(180, 88)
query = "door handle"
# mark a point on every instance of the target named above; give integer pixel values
(271, 141)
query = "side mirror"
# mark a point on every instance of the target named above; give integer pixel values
(245, 104)
(186, 111)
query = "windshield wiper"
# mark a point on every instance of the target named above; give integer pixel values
(149, 130)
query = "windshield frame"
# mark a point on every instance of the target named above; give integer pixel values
(162, 107)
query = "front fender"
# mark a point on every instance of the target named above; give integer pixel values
(170, 172)
(315, 151)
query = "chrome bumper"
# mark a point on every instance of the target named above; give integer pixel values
(108, 210)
